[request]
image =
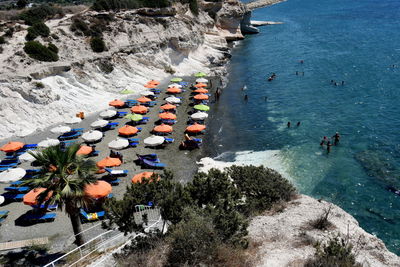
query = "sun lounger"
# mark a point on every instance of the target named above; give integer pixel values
(68, 143)
(32, 171)
(91, 216)
(11, 157)
(111, 195)
(77, 130)
(49, 207)
(152, 157)
(94, 153)
(16, 183)
(40, 217)
(169, 140)
(156, 91)
(17, 189)
(114, 182)
(110, 126)
(168, 121)
(4, 168)
(4, 213)
(10, 165)
(13, 196)
(121, 114)
(150, 104)
(70, 135)
(130, 102)
(30, 146)
(117, 173)
(152, 164)
(10, 161)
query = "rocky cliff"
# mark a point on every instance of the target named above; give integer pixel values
(142, 44)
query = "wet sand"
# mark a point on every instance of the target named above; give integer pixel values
(181, 162)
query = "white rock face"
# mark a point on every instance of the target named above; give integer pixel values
(286, 236)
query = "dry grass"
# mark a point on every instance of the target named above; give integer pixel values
(237, 257)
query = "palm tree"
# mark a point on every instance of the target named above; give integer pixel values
(65, 174)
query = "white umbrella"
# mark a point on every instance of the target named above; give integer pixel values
(48, 142)
(99, 124)
(92, 136)
(199, 115)
(173, 100)
(154, 140)
(60, 129)
(26, 157)
(72, 120)
(118, 143)
(108, 113)
(147, 93)
(175, 85)
(12, 175)
(201, 80)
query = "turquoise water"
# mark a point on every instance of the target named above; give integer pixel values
(354, 41)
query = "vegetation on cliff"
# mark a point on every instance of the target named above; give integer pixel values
(40, 52)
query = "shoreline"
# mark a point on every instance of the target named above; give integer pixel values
(262, 3)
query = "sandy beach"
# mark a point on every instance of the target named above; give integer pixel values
(181, 162)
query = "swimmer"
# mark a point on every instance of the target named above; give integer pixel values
(288, 124)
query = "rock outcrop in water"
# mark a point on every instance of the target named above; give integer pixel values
(142, 44)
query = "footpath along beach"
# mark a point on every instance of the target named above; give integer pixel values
(181, 162)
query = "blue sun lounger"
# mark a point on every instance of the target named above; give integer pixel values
(116, 173)
(114, 182)
(4, 213)
(13, 196)
(121, 114)
(68, 143)
(152, 164)
(49, 207)
(110, 126)
(152, 157)
(169, 140)
(32, 171)
(165, 121)
(16, 183)
(133, 142)
(70, 135)
(16, 189)
(48, 217)
(130, 102)
(4, 168)
(156, 91)
(91, 216)
(150, 104)
(10, 161)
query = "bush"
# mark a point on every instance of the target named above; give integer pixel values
(194, 7)
(336, 253)
(79, 25)
(9, 32)
(106, 66)
(53, 48)
(37, 29)
(40, 52)
(39, 14)
(322, 222)
(100, 5)
(39, 85)
(22, 3)
(97, 44)
(2, 40)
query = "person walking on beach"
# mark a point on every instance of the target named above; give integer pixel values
(336, 138)
(288, 124)
(328, 147)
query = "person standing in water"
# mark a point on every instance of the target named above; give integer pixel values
(288, 124)
(336, 138)
(323, 141)
(328, 147)
(246, 98)
(298, 124)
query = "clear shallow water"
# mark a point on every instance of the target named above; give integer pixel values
(355, 41)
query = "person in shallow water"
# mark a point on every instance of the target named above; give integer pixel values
(246, 98)
(298, 124)
(288, 124)
(336, 138)
(328, 147)
(323, 141)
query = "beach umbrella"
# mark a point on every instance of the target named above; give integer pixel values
(139, 177)
(49, 142)
(195, 128)
(143, 99)
(134, 117)
(163, 128)
(12, 175)
(173, 100)
(200, 74)
(30, 198)
(139, 109)
(26, 157)
(118, 143)
(116, 103)
(154, 140)
(147, 93)
(99, 124)
(108, 162)
(199, 85)
(202, 107)
(175, 85)
(127, 92)
(109, 113)
(97, 190)
(176, 80)
(199, 116)
(201, 97)
(153, 82)
(60, 129)
(12, 146)
(127, 130)
(174, 90)
(168, 107)
(201, 80)
(72, 120)
(167, 116)
(149, 85)
(201, 91)
(92, 136)
(84, 150)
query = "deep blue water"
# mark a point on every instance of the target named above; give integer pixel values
(355, 41)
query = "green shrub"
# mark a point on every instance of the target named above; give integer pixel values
(37, 29)
(194, 7)
(39, 85)
(52, 47)
(39, 14)
(97, 44)
(100, 5)
(9, 32)
(336, 253)
(322, 222)
(2, 40)
(40, 52)
(22, 3)
(78, 25)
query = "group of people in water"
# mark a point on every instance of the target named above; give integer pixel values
(326, 141)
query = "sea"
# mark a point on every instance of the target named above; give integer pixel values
(357, 42)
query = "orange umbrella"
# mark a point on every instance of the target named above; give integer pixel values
(97, 190)
(150, 85)
(116, 103)
(143, 99)
(139, 109)
(201, 97)
(138, 177)
(200, 85)
(108, 162)
(174, 90)
(127, 130)
(153, 82)
(31, 197)
(167, 116)
(84, 150)
(163, 128)
(12, 146)
(195, 128)
(168, 106)
(201, 91)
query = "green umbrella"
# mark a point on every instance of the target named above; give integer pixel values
(200, 74)
(134, 117)
(176, 80)
(126, 92)
(202, 107)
